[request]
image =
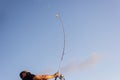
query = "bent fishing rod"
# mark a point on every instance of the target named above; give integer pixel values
(61, 77)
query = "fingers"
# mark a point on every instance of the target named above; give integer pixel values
(56, 74)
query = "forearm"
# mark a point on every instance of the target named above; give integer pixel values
(52, 76)
(39, 77)
(49, 76)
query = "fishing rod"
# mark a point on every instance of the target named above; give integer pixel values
(61, 77)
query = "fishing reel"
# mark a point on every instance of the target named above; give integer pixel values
(61, 77)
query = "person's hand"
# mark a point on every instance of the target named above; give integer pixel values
(56, 74)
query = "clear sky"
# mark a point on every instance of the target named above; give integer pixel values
(31, 38)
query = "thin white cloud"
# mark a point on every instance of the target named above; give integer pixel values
(78, 66)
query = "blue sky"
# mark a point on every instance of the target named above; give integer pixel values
(32, 38)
